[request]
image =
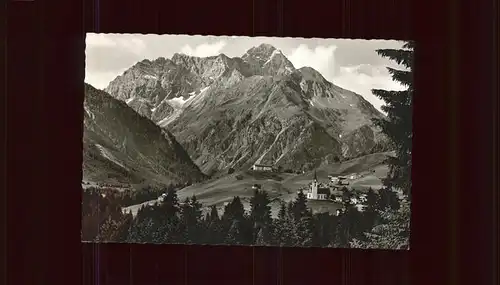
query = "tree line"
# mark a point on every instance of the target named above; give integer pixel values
(174, 221)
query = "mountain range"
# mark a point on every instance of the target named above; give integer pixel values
(193, 116)
(120, 147)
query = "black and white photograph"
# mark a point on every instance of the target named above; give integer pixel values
(250, 141)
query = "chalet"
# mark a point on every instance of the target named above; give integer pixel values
(262, 167)
(362, 198)
(360, 207)
(162, 197)
(355, 200)
(343, 181)
(256, 187)
(333, 179)
(337, 199)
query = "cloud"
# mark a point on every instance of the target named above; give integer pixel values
(321, 58)
(108, 55)
(116, 42)
(99, 40)
(100, 80)
(363, 78)
(204, 50)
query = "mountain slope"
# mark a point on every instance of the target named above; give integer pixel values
(121, 147)
(233, 112)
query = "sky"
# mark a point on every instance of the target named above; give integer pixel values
(350, 64)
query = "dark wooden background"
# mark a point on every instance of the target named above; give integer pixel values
(453, 241)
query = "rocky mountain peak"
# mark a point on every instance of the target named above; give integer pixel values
(122, 147)
(232, 112)
(311, 74)
(265, 59)
(263, 50)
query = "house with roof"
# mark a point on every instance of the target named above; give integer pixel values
(262, 167)
(256, 187)
(342, 180)
(333, 179)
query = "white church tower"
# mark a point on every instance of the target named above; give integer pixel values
(313, 194)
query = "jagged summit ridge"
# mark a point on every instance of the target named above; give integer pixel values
(232, 112)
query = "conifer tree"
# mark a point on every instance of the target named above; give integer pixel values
(299, 208)
(285, 227)
(213, 215)
(213, 226)
(349, 226)
(170, 205)
(234, 221)
(305, 230)
(392, 233)
(168, 217)
(370, 212)
(346, 195)
(141, 231)
(323, 228)
(184, 221)
(387, 199)
(195, 234)
(260, 215)
(397, 126)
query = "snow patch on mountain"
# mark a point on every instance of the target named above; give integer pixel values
(193, 100)
(180, 101)
(179, 104)
(148, 76)
(275, 52)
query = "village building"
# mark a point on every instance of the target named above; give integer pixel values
(342, 180)
(333, 179)
(256, 187)
(262, 167)
(362, 198)
(338, 199)
(162, 197)
(317, 192)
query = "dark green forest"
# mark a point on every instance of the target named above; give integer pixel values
(174, 221)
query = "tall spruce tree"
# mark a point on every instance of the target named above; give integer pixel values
(370, 212)
(169, 221)
(397, 125)
(184, 221)
(392, 233)
(190, 225)
(299, 208)
(260, 216)
(349, 225)
(305, 230)
(387, 198)
(214, 227)
(234, 222)
(285, 233)
(195, 221)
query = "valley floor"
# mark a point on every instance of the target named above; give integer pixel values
(283, 186)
